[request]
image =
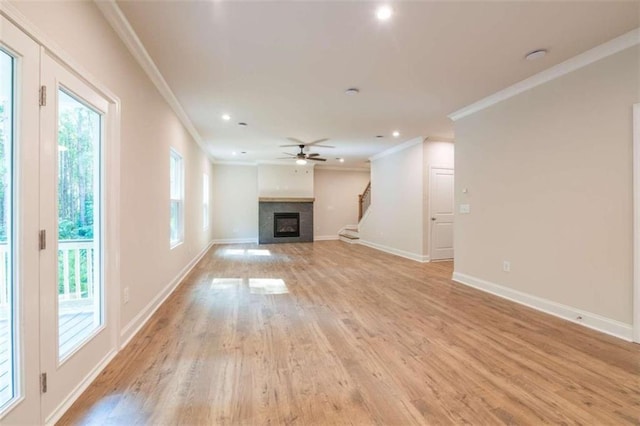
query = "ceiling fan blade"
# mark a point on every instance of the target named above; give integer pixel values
(297, 141)
(313, 154)
(316, 159)
(317, 142)
(323, 146)
(287, 146)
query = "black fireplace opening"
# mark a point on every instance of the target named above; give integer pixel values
(286, 225)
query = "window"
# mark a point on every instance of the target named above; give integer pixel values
(79, 223)
(205, 201)
(176, 175)
(8, 338)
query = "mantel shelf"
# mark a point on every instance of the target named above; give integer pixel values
(286, 199)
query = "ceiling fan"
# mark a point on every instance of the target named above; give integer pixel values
(298, 142)
(301, 157)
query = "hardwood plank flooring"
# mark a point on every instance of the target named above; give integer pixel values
(361, 337)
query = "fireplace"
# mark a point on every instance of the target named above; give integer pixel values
(285, 220)
(286, 225)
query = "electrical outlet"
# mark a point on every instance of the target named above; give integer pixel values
(506, 266)
(126, 295)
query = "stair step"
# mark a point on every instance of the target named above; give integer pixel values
(349, 236)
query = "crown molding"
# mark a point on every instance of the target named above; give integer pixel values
(286, 163)
(398, 148)
(343, 169)
(10, 12)
(123, 29)
(602, 51)
(439, 139)
(234, 163)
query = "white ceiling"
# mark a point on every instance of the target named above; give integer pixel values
(282, 67)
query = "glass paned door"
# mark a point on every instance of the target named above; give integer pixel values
(79, 266)
(77, 326)
(19, 216)
(8, 343)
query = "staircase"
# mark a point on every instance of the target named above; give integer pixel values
(349, 234)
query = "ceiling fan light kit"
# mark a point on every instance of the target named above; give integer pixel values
(301, 157)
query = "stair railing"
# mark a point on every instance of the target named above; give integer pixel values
(364, 201)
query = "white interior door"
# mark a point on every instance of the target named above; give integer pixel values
(75, 326)
(19, 338)
(441, 209)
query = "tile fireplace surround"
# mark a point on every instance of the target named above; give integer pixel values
(267, 206)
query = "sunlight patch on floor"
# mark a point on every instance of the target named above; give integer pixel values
(248, 252)
(225, 283)
(256, 252)
(267, 286)
(234, 252)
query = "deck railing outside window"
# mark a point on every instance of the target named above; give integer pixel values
(75, 269)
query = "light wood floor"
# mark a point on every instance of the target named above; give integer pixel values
(361, 338)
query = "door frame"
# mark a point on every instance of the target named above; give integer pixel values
(430, 199)
(25, 211)
(636, 223)
(88, 358)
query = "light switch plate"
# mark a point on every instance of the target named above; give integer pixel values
(465, 208)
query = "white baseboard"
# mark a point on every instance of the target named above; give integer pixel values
(141, 319)
(578, 316)
(395, 251)
(236, 241)
(82, 386)
(325, 238)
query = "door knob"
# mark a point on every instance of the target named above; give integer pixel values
(433, 218)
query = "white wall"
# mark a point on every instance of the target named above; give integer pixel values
(235, 194)
(549, 174)
(395, 218)
(336, 192)
(148, 129)
(285, 181)
(235, 203)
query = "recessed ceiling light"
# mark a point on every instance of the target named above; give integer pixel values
(242, 124)
(226, 117)
(301, 162)
(396, 133)
(340, 160)
(536, 54)
(352, 91)
(383, 13)
(234, 153)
